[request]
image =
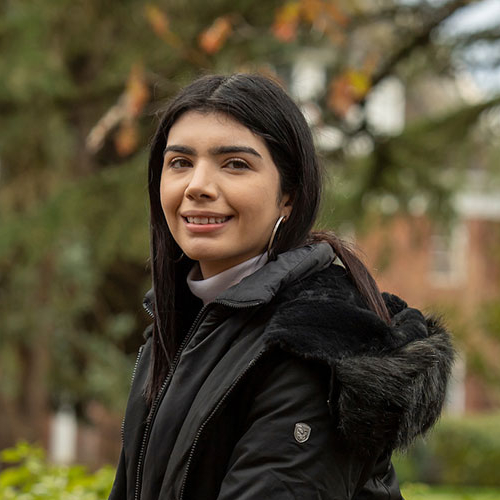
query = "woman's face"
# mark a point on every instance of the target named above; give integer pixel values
(220, 190)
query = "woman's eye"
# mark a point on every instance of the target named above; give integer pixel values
(179, 163)
(237, 164)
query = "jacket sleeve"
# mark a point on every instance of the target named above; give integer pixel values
(382, 483)
(290, 450)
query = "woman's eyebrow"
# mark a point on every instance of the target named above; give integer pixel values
(220, 150)
(180, 149)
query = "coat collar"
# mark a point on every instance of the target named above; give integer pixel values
(264, 284)
(288, 268)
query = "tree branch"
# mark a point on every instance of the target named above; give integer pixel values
(436, 17)
(487, 35)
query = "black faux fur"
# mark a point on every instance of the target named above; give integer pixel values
(388, 381)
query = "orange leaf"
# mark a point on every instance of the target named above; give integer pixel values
(157, 19)
(286, 32)
(340, 97)
(286, 21)
(213, 38)
(126, 139)
(347, 89)
(322, 11)
(312, 10)
(137, 92)
(336, 14)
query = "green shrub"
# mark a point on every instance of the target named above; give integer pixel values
(28, 476)
(459, 451)
(417, 491)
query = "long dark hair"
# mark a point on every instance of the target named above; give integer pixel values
(265, 108)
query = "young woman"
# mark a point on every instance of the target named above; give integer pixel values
(274, 368)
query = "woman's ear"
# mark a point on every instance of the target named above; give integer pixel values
(286, 205)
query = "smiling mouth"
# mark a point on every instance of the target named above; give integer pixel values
(206, 220)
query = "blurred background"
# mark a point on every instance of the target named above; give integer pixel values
(403, 97)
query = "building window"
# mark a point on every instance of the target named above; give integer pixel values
(448, 257)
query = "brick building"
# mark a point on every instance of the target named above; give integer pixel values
(454, 271)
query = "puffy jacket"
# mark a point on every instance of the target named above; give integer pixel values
(286, 387)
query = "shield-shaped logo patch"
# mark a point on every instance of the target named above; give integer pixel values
(302, 432)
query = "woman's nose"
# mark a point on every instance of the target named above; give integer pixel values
(201, 183)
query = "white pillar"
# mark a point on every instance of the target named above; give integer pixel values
(63, 435)
(455, 397)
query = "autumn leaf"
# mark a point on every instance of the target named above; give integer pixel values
(347, 89)
(286, 21)
(136, 97)
(161, 26)
(213, 38)
(319, 13)
(322, 12)
(336, 14)
(311, 10)
(340, 96)
(157, 19)
(137, 91)
(127, 138)
(359, 81)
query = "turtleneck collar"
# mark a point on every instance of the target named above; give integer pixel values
(208, 289)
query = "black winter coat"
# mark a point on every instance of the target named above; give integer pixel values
(287, 387)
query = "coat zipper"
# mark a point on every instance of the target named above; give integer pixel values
(148, 308)
(154, 407)
(231, 388)
(137, 359)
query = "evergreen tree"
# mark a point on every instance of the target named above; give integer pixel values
(82, 84)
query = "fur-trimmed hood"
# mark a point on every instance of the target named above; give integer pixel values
(388, 381)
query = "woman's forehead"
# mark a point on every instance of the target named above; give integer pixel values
(212, 126)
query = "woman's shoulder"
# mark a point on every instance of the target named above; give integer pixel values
(389, 378)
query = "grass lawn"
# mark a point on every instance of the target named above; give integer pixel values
(426, 492)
